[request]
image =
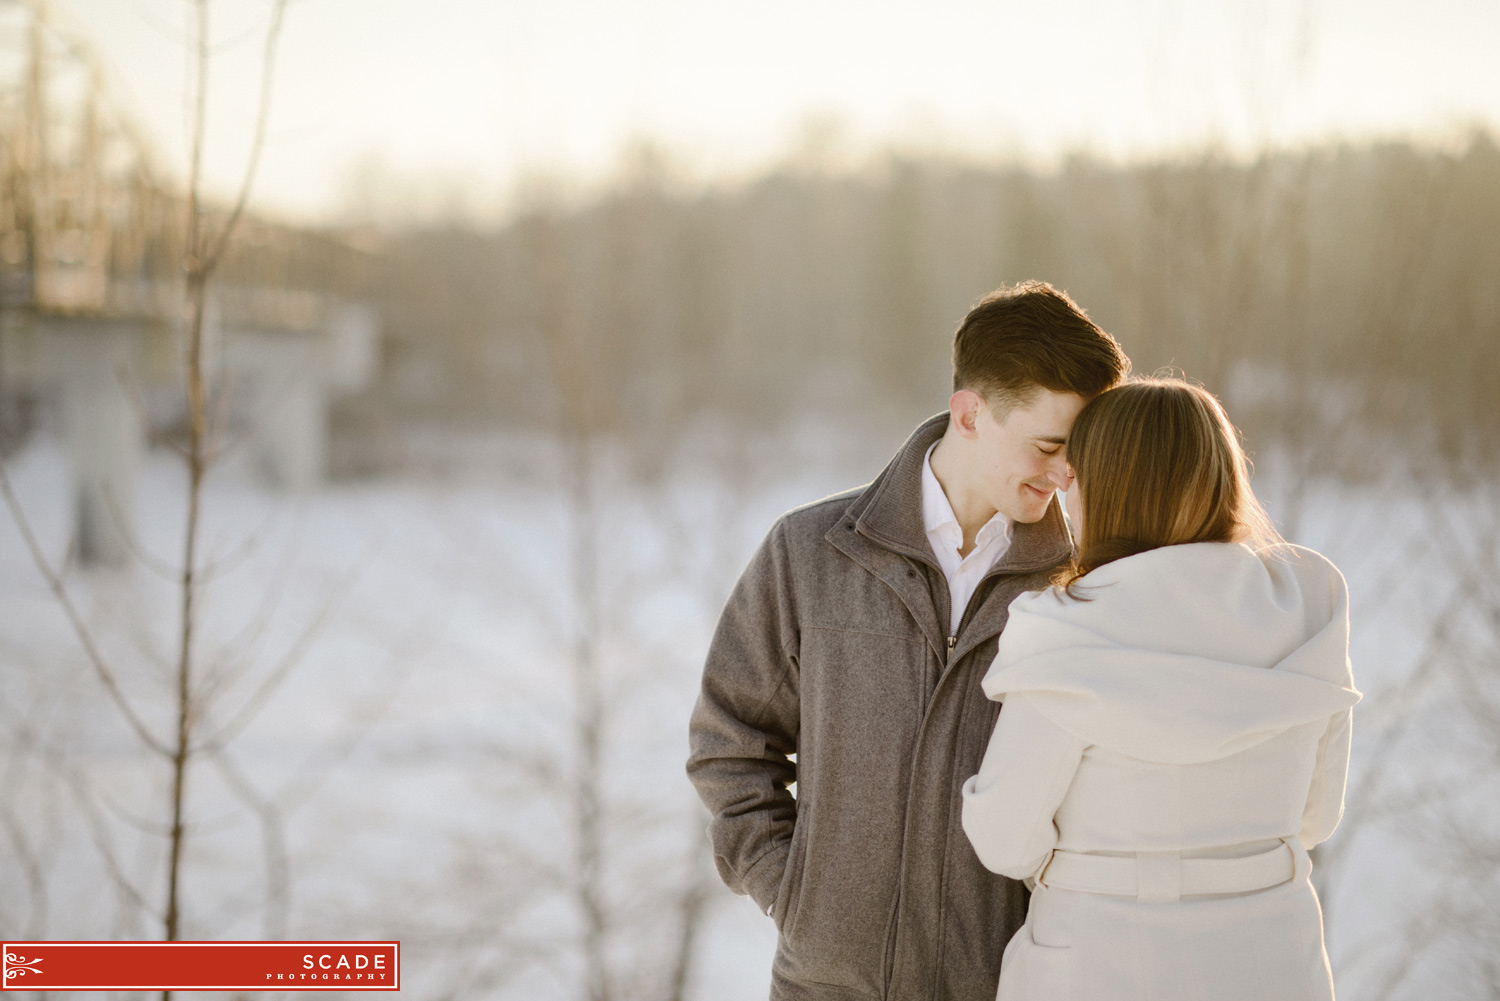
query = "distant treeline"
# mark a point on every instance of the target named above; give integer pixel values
(1336, 284)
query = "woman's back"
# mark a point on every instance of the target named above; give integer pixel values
(1203, 678)
(1167, 750)
(1118, 803)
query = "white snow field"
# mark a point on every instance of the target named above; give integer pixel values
(410, 649)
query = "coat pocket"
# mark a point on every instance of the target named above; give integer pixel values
(1051, 972)
(790, 893)
(1035, 972)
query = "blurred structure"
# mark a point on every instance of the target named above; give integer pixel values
(91, 289)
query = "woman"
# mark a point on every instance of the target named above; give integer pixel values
(1175, 729)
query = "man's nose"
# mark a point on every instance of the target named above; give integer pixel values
(1061, 478)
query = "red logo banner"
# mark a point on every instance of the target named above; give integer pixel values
(201, 966)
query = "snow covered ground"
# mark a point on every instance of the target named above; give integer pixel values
(404, 776)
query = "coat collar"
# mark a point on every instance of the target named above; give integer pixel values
(889, 512)
(882, 529)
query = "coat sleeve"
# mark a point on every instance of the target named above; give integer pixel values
(745, 725)
(1325, 798)
(1009, 806)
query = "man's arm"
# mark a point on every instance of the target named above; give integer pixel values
(745, 725)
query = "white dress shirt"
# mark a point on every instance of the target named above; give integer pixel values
(946, 537)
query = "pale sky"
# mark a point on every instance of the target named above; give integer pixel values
(452, 100)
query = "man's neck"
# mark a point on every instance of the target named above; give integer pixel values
(950, 466)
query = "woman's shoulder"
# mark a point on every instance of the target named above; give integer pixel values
(1311, 575)
(1189, 586)
(1291, 553)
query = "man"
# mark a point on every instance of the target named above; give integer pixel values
(856, 639)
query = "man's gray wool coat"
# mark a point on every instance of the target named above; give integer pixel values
(834, 647)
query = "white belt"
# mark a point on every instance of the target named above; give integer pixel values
(1166, 876)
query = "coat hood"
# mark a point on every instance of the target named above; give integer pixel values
(1185, 653)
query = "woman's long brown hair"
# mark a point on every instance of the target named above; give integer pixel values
(1159, 464)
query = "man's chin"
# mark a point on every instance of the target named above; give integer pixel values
(1034, 506)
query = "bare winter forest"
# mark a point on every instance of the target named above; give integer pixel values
(429, 681)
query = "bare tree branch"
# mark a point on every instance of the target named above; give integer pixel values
(284, 667)
(219, 244)
(85, 637)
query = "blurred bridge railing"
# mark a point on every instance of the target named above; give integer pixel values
(92, 286)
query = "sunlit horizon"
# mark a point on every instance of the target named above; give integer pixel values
(380, 109)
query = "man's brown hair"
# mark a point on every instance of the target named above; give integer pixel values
(1028, 335)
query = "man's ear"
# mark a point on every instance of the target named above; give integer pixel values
(963, 412)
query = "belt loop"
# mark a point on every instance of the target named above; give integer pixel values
(1158, 877)
(1041, 874)
(1301, 861)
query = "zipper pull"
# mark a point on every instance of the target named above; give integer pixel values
(952, 642)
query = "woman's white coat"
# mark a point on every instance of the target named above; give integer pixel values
(1198, 703)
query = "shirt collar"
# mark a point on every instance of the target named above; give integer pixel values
(937, 513)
